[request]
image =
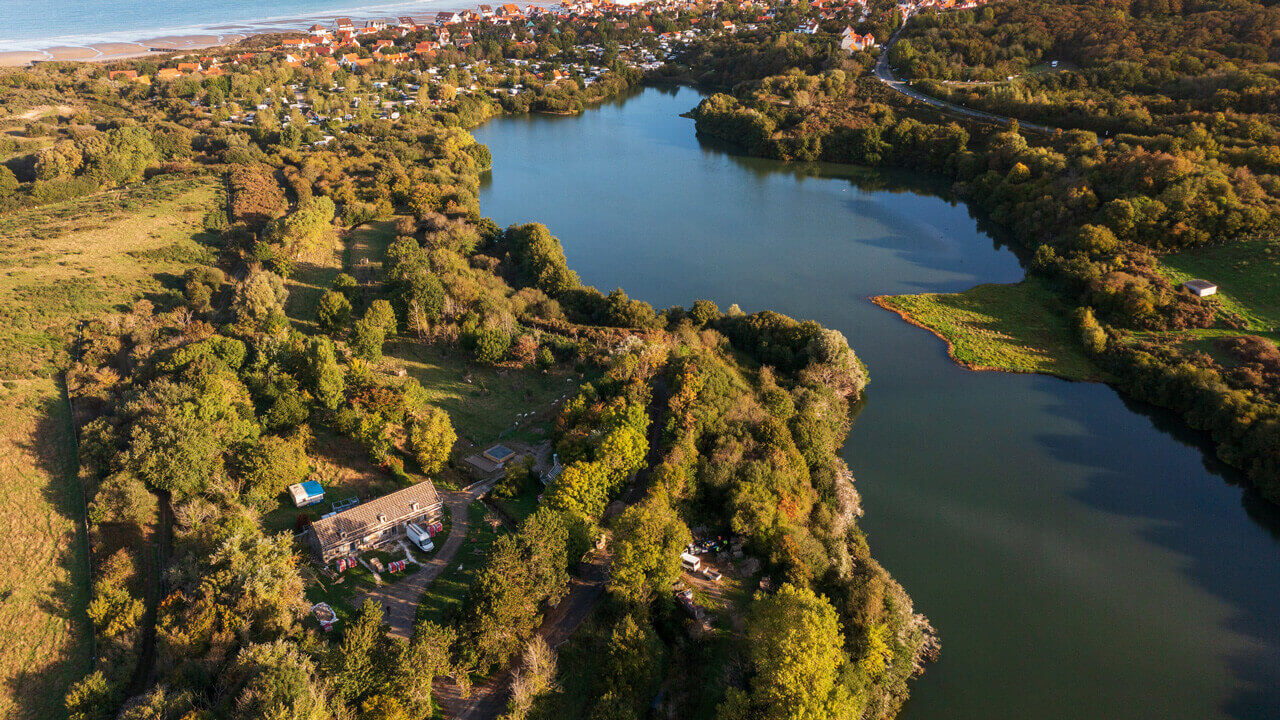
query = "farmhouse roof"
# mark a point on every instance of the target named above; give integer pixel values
(351, 524)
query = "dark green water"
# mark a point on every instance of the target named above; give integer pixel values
(1081, 557)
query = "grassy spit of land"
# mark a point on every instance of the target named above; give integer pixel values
(1015, 328)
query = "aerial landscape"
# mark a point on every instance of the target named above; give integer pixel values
(857, 359)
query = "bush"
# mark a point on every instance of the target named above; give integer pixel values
(491, 345)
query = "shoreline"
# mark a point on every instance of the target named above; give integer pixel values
(109, 51)
(884, 302)
(213, 35)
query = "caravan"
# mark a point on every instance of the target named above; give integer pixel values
(690, 562)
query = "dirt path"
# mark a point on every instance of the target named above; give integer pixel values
(400, 600)
(488, 700)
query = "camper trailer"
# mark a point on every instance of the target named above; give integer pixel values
(690, 562)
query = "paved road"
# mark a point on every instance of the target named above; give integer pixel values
(884, 74)
(400, 599)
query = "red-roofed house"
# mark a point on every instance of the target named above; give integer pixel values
(851, 42)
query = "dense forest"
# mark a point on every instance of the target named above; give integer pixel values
(1093, 215)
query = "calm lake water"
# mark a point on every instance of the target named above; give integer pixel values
(1081, 556)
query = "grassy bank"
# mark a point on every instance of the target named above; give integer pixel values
(1013, 328)
(74, 260)
(1247, 275)
(485, 402)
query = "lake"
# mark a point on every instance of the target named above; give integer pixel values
(1080, 555)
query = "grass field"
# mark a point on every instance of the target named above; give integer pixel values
(446, 593)
(77, 259)
(484, 402)
(1247, 275)
(60, 264)
(313, 273)
(366, 247)
(519, 507)
(44, 580)
(1015, 328)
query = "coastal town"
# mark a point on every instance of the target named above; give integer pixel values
(525, 59)
(641, 36)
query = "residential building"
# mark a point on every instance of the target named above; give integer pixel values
(375, 523)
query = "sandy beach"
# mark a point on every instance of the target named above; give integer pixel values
(221, 34)
(214, 35)
(102, 52)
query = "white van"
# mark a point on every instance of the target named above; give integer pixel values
(690, 562)
(419, 537)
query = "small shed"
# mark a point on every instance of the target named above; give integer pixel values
(1201, 288)
(306, 493)
(499, 454)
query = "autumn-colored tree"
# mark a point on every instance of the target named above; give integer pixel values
(324, 375)
(431, 439)
(333, 312)
(796, 651)
(581, 488)
(647, 541)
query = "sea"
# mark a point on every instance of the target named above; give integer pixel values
(42, 24)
